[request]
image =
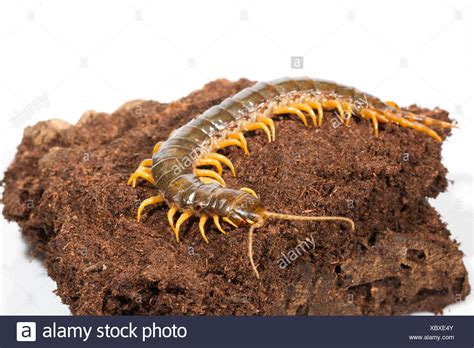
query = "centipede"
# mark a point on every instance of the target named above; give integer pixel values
(186, 169)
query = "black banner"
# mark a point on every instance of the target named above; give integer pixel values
(415, 331)
(53, 331)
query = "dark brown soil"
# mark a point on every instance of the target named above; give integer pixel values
(67, 190)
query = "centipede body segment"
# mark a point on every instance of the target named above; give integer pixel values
(186, 169)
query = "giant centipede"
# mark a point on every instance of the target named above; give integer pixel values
(179, 167)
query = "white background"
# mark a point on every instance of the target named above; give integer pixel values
(83, 55)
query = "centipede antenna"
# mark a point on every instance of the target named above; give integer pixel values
(280, 216)
(253, 227)
(272, 215)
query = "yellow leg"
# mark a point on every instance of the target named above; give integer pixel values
(202, 222)
(229, 221)
(209, 173)
(147, 202)
(249, 190)
(218, 224)
(290, 110)
(228, 142)
(269, 122)
(146, 163)
(222, 159)
(392, 104)
(413, 125)
(142, 172)
(240, 137)
(427, 121)
(207, 180)
(209, 162)
(157, 147)
(347, 107)
(258, 125)
(308, 109)
(171, 214)
(380, 116)
(318, 107)
(184, 216)
(372, 115)
(335, 104)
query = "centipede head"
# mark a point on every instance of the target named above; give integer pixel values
(246, 209)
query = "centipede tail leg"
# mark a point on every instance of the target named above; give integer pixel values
(413, 125)
(427, 121)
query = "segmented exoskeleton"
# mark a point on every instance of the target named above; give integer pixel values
(176, 166)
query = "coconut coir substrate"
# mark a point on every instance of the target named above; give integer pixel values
(67, 189)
